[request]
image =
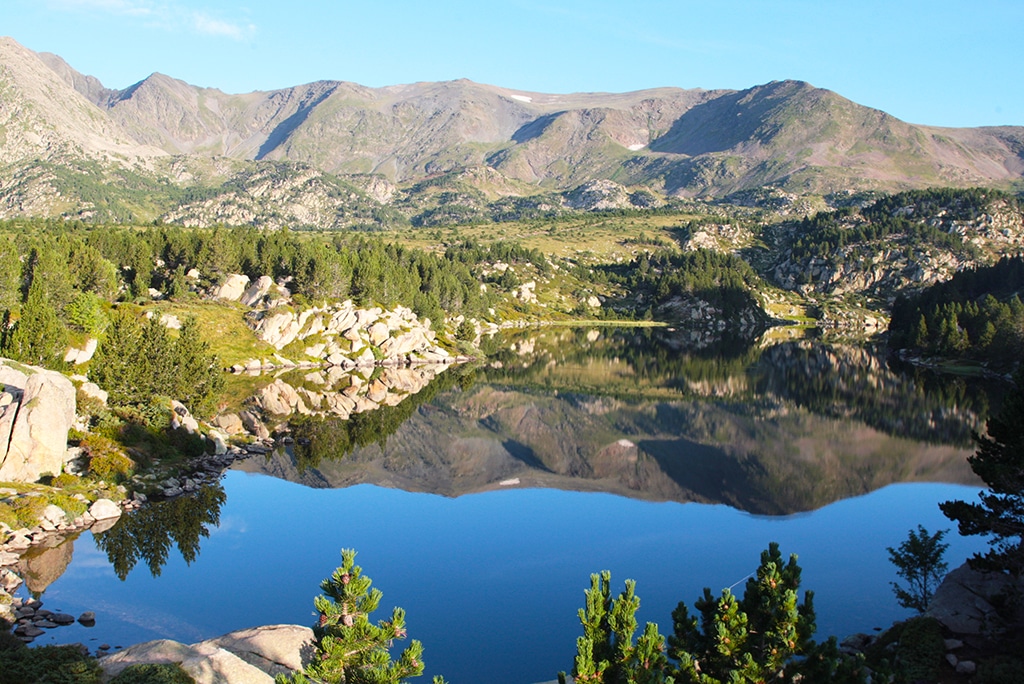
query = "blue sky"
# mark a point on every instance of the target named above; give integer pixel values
(944, 62)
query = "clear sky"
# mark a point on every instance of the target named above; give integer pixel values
(943, 62)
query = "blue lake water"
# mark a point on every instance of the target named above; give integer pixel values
(483, 505)
(491, 582)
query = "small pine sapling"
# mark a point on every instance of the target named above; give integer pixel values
(349, 648)
(606, 652)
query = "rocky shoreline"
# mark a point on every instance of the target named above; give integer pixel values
(53, 529)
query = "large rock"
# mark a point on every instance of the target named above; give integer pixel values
(342, 320)
(104, 509)
(279, 330)
(229, 423)
(80, 356)
(38, 427)
(232, 288)
(404, 343)
(965, 602)
(220, 441)
(248, 656)
(91, 389)
(275, 649)
(378, 332)
(257, 291)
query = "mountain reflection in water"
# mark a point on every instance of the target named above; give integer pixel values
(771, 431)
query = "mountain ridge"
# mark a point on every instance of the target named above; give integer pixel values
(673, 141)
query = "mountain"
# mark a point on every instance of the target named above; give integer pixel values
(488, 437)
(675, 142)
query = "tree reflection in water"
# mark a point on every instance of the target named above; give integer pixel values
(148, 533)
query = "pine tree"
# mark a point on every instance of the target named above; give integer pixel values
(10, 274)
(748, 640)
(606, 652)
(47, 270)
(199, 379)
(177, 287)
(115, 365)
(38, 337)
(920, 340)
(158, 367)
(758, 638)
(351, 649)
(999, 461)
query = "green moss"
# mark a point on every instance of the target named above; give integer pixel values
(23, 511)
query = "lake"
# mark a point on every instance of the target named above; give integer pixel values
(483, 504)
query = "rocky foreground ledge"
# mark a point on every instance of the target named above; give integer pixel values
(965, 605)
(247, 656)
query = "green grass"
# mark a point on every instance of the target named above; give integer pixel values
(223, 326)
(24, 509)
(595, 238)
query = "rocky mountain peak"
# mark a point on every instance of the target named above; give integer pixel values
(704, 143)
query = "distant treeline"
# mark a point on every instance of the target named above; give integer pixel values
(724, 281)
(978, 314)
(826, 233)
(123, 263)
(59, 279)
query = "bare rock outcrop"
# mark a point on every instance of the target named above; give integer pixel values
(598, 195)
(246, 656)
(257, 291)
(968, 602)
(232, 289)
(342, 335)
(37, 408)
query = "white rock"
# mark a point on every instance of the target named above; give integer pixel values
(104, 509)
(229, 423)
(249, 656)
(80, 356)
(170, 321)
(232, 288)
(55, 515)
(966, 667)
(220, 442)
(378, 332)
(38, 430)
(91, 389)
(257, 291)
(279, 330)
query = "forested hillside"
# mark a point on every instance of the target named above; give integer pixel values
(977, 314)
